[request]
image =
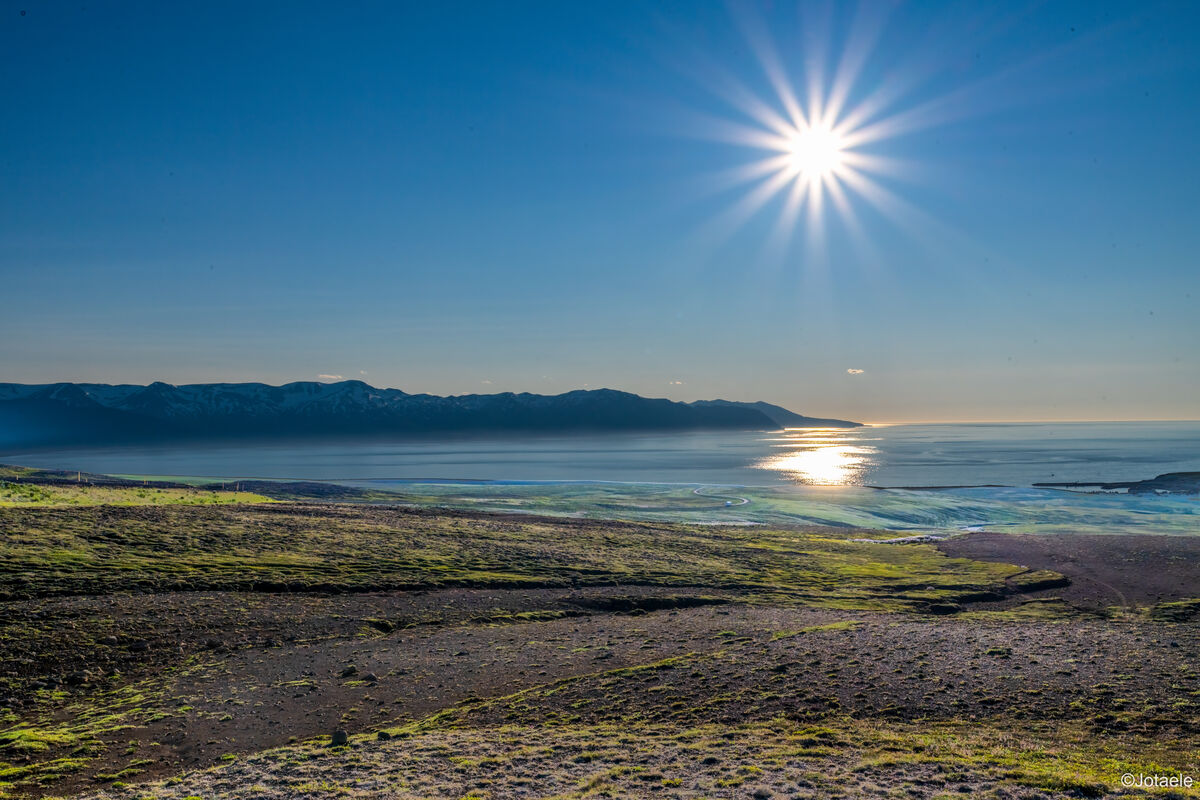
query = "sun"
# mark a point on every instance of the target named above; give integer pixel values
(815, 153)
(821, 132)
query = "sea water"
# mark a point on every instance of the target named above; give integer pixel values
(874, 476)
(1012, 454)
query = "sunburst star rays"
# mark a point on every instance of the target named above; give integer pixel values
(813, 137)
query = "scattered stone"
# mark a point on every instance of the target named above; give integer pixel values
(339, 738)
(371, 677)
(140, 646)
(350, 671)
(109, 641)
(383, 736)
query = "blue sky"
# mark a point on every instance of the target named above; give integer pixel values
(470, 197)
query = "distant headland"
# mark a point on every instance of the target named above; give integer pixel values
(65, 414)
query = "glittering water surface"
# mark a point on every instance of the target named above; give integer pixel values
(819, 476)
(896, 456)
(971, 455)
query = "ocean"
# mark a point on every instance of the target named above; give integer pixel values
(879, 476)
(1008, 454)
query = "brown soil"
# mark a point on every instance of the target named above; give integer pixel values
(236, 672)
(210, 675)
(1105, 571)
(732, 663)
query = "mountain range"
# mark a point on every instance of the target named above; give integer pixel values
(64, 414)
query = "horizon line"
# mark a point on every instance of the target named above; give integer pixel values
(1026, 421)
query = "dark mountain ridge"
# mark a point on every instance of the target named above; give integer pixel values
(91, 413)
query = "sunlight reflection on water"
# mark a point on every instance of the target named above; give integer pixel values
(821, 456)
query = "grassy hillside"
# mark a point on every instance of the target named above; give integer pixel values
(46, 551)
(211, 650)
(40, 495)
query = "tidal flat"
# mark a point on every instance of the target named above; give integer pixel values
(282, 647)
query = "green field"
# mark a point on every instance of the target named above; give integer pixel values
(86, 549)
(34, 495)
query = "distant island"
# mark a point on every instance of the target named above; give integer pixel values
(64, 414)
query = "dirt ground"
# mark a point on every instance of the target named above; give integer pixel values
(532, 692)
(735, 663)
(239, 692)
(1105, 571)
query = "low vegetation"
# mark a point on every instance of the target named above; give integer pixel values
(296, 547)
(82, 494)
(177, 649)
(841, 757)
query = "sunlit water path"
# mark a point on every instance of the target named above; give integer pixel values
(798, 476)
(894, 455)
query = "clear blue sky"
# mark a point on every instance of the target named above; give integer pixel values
(475, 197)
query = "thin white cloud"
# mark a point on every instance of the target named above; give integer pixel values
(330, 378)
(675, 383)
(489, 383)
(853, 371)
